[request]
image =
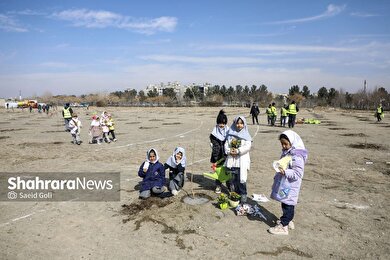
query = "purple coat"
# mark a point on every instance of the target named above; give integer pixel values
(294, 175)
(154, 176)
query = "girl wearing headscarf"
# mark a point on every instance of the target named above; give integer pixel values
(217, 141)
(104, 122)
(95, 131)
(237, 147)
(153, 174)
(176, 164)
(288, 179)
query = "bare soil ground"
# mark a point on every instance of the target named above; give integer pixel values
(343, 210)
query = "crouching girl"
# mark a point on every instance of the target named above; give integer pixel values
(153, 174)
(176, 164)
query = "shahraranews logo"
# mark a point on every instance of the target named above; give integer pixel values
(16, 183)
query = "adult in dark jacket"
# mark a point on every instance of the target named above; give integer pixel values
(153, 174)
(255, 111)
(292, 114)
(217, 141)
(176, 164)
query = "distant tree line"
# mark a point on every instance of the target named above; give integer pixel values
(232, 96)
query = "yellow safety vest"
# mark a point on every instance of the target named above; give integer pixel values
(111, 126)
(292, 109)
(67, 113)
(284, 111)
(379, 110)
(268, 111)
(273, 111)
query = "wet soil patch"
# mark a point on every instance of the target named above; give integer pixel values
(53, 131)
(57, 125)
(363, 119)
(11, 130)
(337, 128)
(269, 131)
(3, 137)
(154, 120)
(385, 125)
(132, 210)
(367, 146)
(57, 143)
(167, 230)
(132, 123)
(147, 127)
(31, 144)
(40, 144)
(175, 123)
(357, 135)
(329, 124)
(282, 249)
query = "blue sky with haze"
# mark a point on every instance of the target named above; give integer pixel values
(81, 47)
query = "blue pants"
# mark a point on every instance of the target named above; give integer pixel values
(288, 214)
(147, 193)
(291, 120)
(238, 187)
(176, 182)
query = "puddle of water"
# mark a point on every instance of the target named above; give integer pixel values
(197, 199)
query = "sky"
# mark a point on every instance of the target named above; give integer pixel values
(95, 46)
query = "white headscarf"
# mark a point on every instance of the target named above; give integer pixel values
(295, 139)
(220, 133)
(172, 159)
(243, 133)
(147, 161)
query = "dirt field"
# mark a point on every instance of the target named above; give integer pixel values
(342, 211)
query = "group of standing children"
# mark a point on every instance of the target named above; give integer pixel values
(152, 172)
(231, 147)
(101, 127)
(99, 131)
(234, 144)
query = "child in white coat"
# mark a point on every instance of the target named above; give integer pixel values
(74, 127)
(237, 146)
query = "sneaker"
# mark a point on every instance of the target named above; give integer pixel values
(278, 230)
(218, 189)
(174, 192)
(114, 140)
(291, 225)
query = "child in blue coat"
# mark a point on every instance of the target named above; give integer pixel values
(153, 174)
(288, 179)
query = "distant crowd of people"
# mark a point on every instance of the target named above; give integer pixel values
(288, 114)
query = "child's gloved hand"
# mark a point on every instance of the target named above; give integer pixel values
(214, 166)
(146, 166)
